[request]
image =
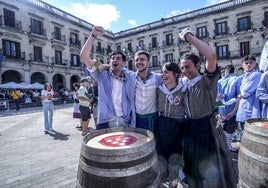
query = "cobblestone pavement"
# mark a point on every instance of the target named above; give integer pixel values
(31, 159)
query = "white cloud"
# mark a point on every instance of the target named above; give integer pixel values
(213, 2)
(97, 14)
(133, 23)
(208, 3)
(176, 12)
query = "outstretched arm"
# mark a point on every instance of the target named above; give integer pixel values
(86, 49)
(202, 47)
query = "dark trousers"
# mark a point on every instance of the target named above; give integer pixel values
(17, 103)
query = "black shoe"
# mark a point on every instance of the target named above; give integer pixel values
(45, 132)
(84, 133)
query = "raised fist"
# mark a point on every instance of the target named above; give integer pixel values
(183, 33)
(97, 31)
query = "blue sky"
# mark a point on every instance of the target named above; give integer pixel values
(118, 15)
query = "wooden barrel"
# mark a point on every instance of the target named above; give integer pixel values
(118, 158)
(253, 154)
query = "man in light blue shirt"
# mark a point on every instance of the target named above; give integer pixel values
(114, 107)
(262, 95)
(228, 88)
(250, 80)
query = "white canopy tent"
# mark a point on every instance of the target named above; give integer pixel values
(9, 85)
(22, 85)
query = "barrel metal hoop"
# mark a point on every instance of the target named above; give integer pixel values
(118, 172)
(252, 137)
(253, 155)
(254, 131)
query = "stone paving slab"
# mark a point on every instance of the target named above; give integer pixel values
(31, 159)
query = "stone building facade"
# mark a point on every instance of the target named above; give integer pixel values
(41, 43)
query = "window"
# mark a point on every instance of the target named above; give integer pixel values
(11, 49)
(98, 47)
(155, 61)
(75, 60)
(169, 57)
(129, 47)
(58, 57)
(202, 32)
(57, 33)
(74, 38)
(244, 23)
(37, 27)
(265, 22)
(244, 49)
(37, 53)
(221, 28)
(169, 40)
(9, 17)
(222, 52)
(141, 45)
(130, 67)
(118, 48)
(108, 50)
(154, 42)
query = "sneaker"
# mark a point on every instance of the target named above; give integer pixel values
(52, 130)
(171, 184)
(45, 131)
(84, 133)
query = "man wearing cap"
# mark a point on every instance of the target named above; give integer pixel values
(84, 103)
(114, 102)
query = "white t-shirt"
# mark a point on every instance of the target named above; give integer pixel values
(47, 95)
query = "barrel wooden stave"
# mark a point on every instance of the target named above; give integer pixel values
(115, 168)
(253, 156)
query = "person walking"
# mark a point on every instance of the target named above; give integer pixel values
(208, 163)
(16, 95)
(48, 107)
(114, 103)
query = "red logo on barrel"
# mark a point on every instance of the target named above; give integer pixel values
(118, 140)
(265, 125)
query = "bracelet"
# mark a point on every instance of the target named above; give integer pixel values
(93, 35)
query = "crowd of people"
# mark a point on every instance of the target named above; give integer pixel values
(193, 108)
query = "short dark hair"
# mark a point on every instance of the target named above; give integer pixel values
(230, 68)
(248, 57)
(174, 67)
(191, 56)
(76, 85)
(119, 52)
(139, 52)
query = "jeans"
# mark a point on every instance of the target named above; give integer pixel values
(48, 108)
